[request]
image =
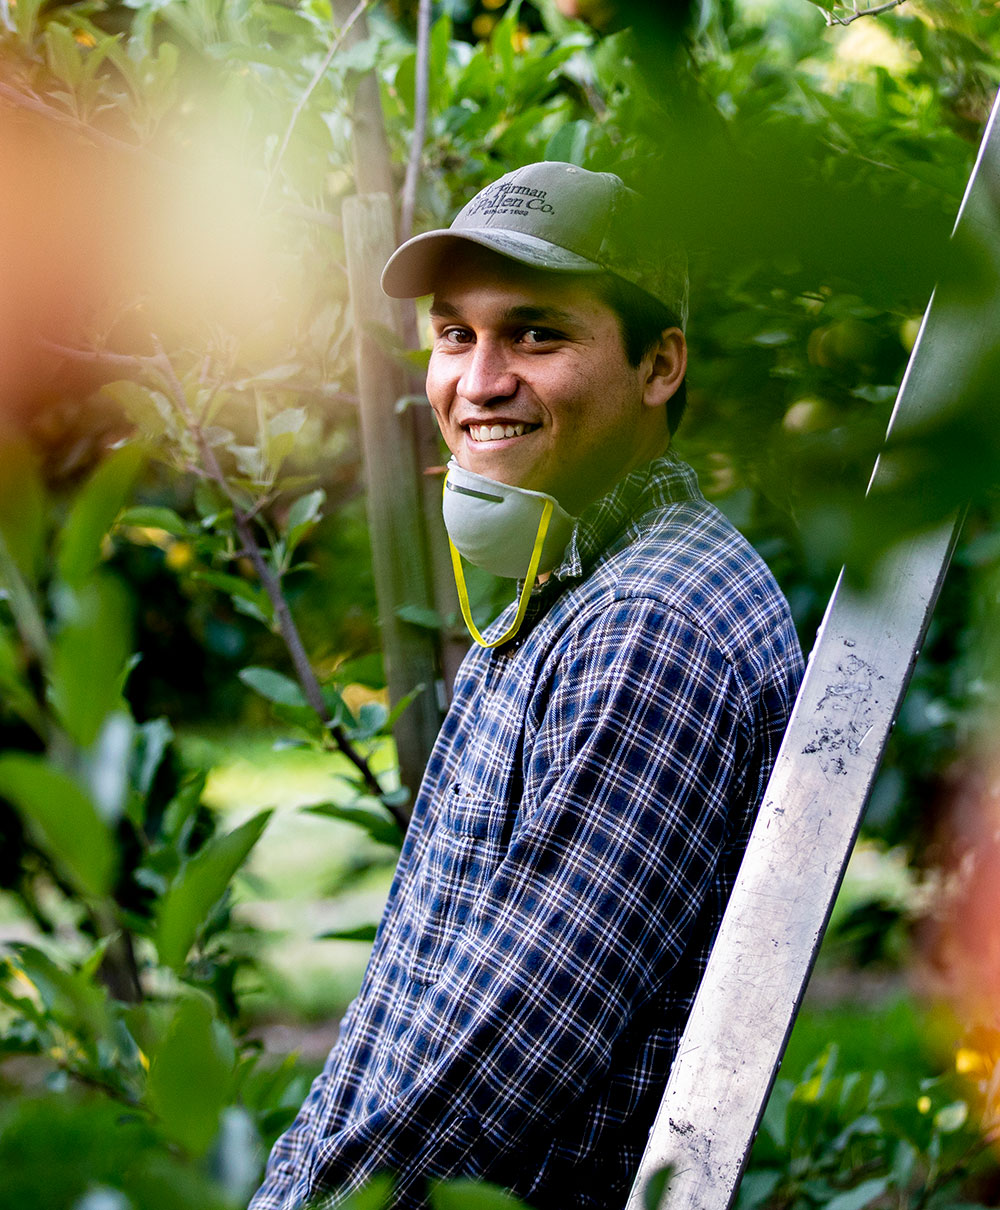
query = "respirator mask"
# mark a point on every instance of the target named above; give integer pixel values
(510, 531)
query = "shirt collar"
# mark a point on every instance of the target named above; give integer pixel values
(665, 480)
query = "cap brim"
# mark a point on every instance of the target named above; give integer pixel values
(413, 269)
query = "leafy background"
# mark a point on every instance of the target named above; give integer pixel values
(197, 826)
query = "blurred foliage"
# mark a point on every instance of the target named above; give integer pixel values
(846, 1140)
(170, 227)
(132, 989)
(129, 991)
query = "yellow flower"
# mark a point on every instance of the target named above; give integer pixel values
(969, 1062)
(179, 556)
(924, 1105)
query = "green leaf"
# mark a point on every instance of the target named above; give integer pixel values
(440, 41)
(183, 806)
(375, 1195)
(339, 710)
(376, 821)
(396, 798)
(156, 518)
(199, 887)
(71, 997)
(419, 615)
(757, 1186)
(372, 718)
(107, 767)
(68, 823)
(952, 1117)
(366, 670)
(94, 512)
(502, 43)
(22, 507)
(236, 1155)
(247, 598)
(569, 143)
(289, 421)
(279, 373)
(860, 1196)
(153, 742)
(274, 686)
(209, 501)
(282, 431)
(234, 585)
(215, 435)
(252, 609)
(63, 55)
(15, 692)
(89, 657)
(248, 461)
(656, 1187)
(190, 1077)
(361, 57)
(26, 18)
(302, 516)
(362, 932)
(304, 718)
(472, 1195)
(405, 701)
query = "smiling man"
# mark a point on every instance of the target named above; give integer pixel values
(584, 811)
(530, 382)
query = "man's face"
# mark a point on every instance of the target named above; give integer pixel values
(530, 383)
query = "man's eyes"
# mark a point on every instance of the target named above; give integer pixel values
(539, 336)
(456, 335)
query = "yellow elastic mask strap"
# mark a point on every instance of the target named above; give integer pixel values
(529, 580)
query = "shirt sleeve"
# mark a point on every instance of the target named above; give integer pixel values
(629, 778)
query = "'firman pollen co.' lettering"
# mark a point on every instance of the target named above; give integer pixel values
(511, 199)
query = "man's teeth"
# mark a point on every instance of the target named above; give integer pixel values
(495, 432)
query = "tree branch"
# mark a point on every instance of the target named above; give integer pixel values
(35, 104)
(270, 582)
(421, 90)
(833, 19)
(311, 215)
(162, 367)
(310, 89)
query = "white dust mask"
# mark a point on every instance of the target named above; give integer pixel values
(509, 531)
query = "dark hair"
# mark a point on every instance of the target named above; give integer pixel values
(642, 320)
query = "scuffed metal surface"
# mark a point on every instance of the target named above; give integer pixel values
(845, 714)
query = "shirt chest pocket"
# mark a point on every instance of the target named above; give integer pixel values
(461, 856)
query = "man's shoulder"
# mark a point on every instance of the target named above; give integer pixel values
(689, 558)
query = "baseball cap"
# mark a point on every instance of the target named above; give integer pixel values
(558, 217)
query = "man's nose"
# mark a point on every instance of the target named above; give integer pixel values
(487, 374)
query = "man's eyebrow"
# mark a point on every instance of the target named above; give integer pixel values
(443, 310)
(529, 313)
(525, 313)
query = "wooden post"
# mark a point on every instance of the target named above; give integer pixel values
(373, 174)
(857, 675)
(399, 546)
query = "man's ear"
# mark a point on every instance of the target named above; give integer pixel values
(667, 365)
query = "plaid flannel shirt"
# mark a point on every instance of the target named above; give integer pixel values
(575, 839)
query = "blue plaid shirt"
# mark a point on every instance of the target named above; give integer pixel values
(572, 847)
